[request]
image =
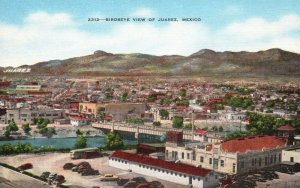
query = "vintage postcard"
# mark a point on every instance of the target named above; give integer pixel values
(149, 93)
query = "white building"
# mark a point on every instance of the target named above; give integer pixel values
(234, 156)
(169, 171)
(28, 87)
(78, 121)
(291, 155)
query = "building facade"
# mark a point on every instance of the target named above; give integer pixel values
(231, 157)
(27, 115)
(174, 172)
(291, 155)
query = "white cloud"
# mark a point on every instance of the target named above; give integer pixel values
(143, 12)
(231, 10)
(45, 36)
(45, 19)
(257, 28)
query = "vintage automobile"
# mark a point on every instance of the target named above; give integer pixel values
(109, 177)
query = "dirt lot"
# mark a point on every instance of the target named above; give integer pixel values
(12, 179)
(284, 181)
(53, 162)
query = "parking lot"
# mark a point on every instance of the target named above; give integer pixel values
(53, 162)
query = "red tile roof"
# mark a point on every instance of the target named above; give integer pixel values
(178, 167)
(252, 143)
(286, 128)
(201, 131)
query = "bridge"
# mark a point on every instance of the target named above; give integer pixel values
(141, 129)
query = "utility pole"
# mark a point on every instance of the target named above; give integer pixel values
(192, 125)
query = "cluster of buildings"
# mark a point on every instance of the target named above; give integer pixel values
(200, 162)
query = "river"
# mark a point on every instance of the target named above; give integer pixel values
(67, 142)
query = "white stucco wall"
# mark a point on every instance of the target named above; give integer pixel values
(200, 182)
(286, 155)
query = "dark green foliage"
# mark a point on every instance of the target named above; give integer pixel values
(8, 149)
(81, 142)
(182, 92)
(151, 97)
(156, 123)
(165, 101)
(264, 124)
(3, 92)
(214, 128)
(183, 102)
(7, 132)
(78, 132)
(220, 129)
(242, 102)
(199, 101)
(135, 120)
(188, 126)
(164, 114)
(26, 128)
(124, 97)
(237, 134)
(218, 106)
(114, 141)
(177, 122)
(13, 126)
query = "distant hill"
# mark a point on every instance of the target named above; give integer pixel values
(272, 62)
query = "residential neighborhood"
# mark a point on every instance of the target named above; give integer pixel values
(174, 128)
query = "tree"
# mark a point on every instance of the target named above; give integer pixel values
(78, 132)
(214, 128)
(182, 92)
(165, 101)
(183, 102)
(81, 142)
(135, 120)
(114, 141)
(124, 96)
(237, 134)
(26, 128)
(164, 114)
(177, 122)
(156, 123)
(7, 132)
(188, 126)
(220, 129)
(13, 126)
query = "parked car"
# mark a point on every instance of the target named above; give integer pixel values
(60, 179)
(68, 166)
(122, 182)
(90, 172)
(139, 180)
(45, 175)
(25, 166)
(109, 177)
(145, 185)
(131, 184)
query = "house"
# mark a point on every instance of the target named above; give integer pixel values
(234, 156)
(27, 115)
(118, 111)
(169, 171)
(79, 121)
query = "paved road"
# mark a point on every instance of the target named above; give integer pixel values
(12, 179)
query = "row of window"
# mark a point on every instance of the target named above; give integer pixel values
(272, 159)
(161, 170)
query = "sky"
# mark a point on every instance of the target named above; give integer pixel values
(33, 31)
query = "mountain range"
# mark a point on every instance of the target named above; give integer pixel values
(272, 62)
